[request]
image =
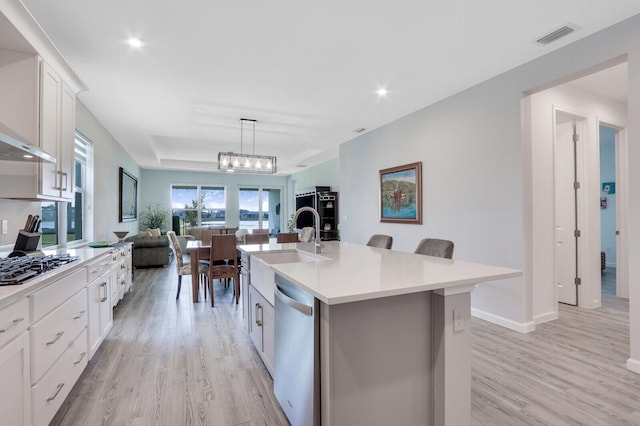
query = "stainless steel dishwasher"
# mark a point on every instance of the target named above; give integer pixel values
(296, 377)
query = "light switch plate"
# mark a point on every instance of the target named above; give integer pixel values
(458, 320)
(4, 227)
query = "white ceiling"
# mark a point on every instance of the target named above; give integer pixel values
(306, 71)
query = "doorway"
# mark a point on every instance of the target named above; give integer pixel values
(608, 207)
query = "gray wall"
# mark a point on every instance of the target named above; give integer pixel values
(477, 172)
(109, 156)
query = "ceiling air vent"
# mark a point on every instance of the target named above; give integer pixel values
(555, 34)
(359, 130)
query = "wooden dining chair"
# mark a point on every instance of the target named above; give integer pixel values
(184, 268)
(435, 247)
(256, 239)
(287, 237)
(224, 263)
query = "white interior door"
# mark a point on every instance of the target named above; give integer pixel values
(565, 212)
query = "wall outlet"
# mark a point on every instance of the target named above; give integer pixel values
(458, 320)
(5, 225)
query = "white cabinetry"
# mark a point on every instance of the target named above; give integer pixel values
(122, 272)
(261, 326)
(57, 126)
(99, 276)
(15, 391)
(19, 74)
(58, 342)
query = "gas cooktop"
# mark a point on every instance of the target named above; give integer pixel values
(18, 270)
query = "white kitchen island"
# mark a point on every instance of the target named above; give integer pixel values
(394, 331)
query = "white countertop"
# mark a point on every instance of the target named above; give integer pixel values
(11, 293)
(355, 272)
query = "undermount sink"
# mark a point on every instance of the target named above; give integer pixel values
(273, 258)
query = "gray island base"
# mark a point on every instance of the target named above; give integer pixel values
(392, 338)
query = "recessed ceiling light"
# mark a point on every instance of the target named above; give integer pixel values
(382, 92)
(135, 42)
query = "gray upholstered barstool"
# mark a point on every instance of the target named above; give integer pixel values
(435, 247)
(381, 241)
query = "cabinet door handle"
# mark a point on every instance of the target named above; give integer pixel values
(105, 297)
(55, 339)
(258, 321)
(65, 175)
(79, 315)
(81, 358)
(13, 324)
(59, 388)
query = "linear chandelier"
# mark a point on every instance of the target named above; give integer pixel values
(246, 163)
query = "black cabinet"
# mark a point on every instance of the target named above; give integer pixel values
(326, 203)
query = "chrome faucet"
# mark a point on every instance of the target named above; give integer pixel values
(316, 245)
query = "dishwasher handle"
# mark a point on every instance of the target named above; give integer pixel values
(289, 301)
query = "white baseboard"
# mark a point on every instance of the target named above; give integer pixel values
(633, 365)
(504, 322)
(546, 317)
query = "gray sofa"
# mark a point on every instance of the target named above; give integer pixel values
(150, 251)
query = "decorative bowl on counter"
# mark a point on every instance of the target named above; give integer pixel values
(121, 235)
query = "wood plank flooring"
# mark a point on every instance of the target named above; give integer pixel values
(168, 362)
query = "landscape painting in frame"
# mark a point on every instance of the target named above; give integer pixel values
(401, 194)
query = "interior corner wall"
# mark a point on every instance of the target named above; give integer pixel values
(474, 164)
(324, 174)
(109, 156)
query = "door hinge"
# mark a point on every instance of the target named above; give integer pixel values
(617, 232)
(576, 233)
(576, 137)
(576, 185)
(578, 281)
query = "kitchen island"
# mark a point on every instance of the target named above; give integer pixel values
(393, 332)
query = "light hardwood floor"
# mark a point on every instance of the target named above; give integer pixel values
(169, 362)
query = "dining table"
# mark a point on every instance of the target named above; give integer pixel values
(198, 250)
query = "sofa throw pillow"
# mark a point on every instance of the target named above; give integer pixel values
(154, 232)
(144, 234)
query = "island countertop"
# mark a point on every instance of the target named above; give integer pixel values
(351, 272)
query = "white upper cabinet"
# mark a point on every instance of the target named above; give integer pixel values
(57, 127)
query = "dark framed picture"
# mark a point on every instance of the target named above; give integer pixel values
(128, 200)
(401, 194)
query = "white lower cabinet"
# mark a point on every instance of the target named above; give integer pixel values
(261, 326)
(58, 342)
(100, 310)
(15, 391)
(50, 392)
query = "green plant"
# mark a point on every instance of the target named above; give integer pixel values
(154, 217)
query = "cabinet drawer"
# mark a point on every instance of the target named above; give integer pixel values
(99, 267)
(48, 395)
(53, 335)
(14, 319)
(52, 296)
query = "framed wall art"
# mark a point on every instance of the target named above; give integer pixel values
(401, 194)
(128, 199)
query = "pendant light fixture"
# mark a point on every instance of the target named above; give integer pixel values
(246, 163)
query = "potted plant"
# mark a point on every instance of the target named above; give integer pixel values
(154, 217)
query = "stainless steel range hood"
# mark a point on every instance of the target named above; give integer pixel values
(12, 149)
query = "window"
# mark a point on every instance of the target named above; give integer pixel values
(198, 205)
(260, 209)
(72, 213)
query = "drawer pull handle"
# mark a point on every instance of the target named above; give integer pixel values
(13, 324)
(58, 336)
(51, 398)
(81, 358)
(106, 296)
(80, 314)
